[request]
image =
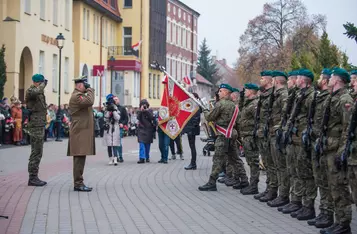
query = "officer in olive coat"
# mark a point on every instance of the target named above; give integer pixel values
(81, 134)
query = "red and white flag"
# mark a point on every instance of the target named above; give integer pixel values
(136, 46)
(177, 108)
(187, 80)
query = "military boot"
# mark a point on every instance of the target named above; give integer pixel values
(281, 208)
(312, 222)
(250, 190)
(230, 182)
(292, 208)
(208, 187)
(35, 181)
(258, 196)
(306, 214)
(325, 221)
(296, 213)
(341, 229)
(271, 195)
(279, 201)
(241, 185)
(221, 180)
(329, 229)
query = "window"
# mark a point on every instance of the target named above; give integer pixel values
(128, 3)
(173, 33)
(135, 84)
(173, 69)
(184, 16)
(154, 86)
(179, 13)
(54, 73)
(84, 26)
(98, 27)
(55, 12)
(179, 77)
(189, 19)
(42, 9)
(94, 28)
(28, 6)
(150, 85)
(68, 15)
(41, 63)
(194, 42)
(168, 65)
(113, 4)
(189, 40)
(158, 87)
(174, 10)
(168, 37)
(104, 83)
(195, 21)
(88, 25)
(66, 75)
(127, 37)
(179, 36)
(168, 7)
(184, 38)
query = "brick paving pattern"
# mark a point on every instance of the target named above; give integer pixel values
(130, 198)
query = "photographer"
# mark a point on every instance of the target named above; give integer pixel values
(145, 131)
(122, 122)
(112, 129)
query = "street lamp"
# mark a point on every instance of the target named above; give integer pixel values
(60, 43)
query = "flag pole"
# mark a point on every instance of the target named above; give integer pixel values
(163, 69)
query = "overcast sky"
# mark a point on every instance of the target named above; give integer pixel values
(223, 21)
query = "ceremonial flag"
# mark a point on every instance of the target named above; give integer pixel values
(177, 108)
(136, 46)
(187, 80)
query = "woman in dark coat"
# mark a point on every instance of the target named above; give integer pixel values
(145, 131)
(193, 129)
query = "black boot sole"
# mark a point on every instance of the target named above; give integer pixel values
(211, 189)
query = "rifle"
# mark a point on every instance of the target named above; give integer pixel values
(306, 134)
(241, 99)
(350, 137)
(270, 110)
(322, 140)
(291, 129)
(257, 117)
(279, 132)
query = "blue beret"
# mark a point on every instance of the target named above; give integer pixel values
(354, 72)
(109, 96)
(326, 71)
(251, 86)
(341, 73)
(226, 86)
(38, 78)
(266, 73)
(307, 73)
(280, 73)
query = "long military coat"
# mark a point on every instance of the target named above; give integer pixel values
(81, 133)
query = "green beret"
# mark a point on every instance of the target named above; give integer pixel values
(251, 86)
(307, 73)
(235, 90)
(341, 73)
(353, 72)
(81, 79)
(266, 73)
(279, 73)
(326, 71)
(226, 86)
(38, 78)
(293, 73)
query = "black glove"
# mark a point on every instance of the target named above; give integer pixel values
(86, 85)
(46, 81)
(241, 94)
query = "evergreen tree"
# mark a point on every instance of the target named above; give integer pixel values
(205, 64)
(335, 56)
(351, 31)
(325, 53)
(295, 64)
(2, 71)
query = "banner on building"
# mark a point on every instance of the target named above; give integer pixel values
(98, 70)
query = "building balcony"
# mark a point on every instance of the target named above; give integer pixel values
(118, 51)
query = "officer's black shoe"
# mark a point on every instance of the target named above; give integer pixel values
(329, 229)
(161, 161)
(208, 187)
(250, 190)
(35, 181)
(295, 206)
(241, 185)
(83, 188)
(258, 196)
(141, 161)
(191, 167)
(230, 182)
(312, 222)
(221, 180)
(281, 208)
(279, 201)
(306, 214)
(296, 213)
(121, 160)
(325, 221)
(341, 229)
(268, 197)
(147, 160)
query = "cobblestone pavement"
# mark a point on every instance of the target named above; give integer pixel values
(129, 198)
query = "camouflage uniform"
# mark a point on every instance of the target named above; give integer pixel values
(352, 164)
(279, 163)
(336, 135)
(225, 149)
(264, 143)
(304, 184)
(245, 123)
(320, 168)
(36, 103)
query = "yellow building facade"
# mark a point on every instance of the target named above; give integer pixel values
(29, 29)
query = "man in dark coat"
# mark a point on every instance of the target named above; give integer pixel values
(123, 121)
(145, 131)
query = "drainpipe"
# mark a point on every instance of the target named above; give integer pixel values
(141, 46)
(100, 63)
